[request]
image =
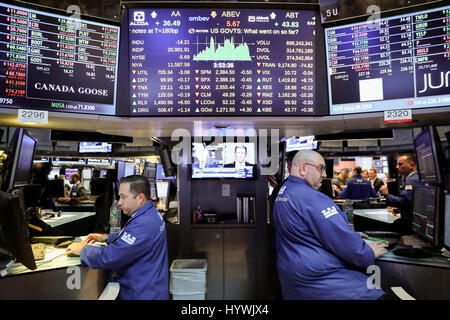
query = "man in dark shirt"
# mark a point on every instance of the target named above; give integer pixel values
(357, 187)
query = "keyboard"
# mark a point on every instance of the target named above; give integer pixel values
(38, 250)
(390, 242)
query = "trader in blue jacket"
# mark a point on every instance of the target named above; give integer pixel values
(137, 256)
(406, 167)
(318, 255)
(357, 187)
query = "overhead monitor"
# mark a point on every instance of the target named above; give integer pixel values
(196, 59)
(223, 160)
(301, 143)
(395, 62)
(94, 147)
(427, 145)
(427, 216)
(20, 159)
(54, 61)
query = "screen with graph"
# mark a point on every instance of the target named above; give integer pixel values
(397, 62)
(221, 61)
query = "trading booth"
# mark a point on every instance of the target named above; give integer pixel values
(207, 100)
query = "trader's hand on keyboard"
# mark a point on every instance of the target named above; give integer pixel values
(378, 248)
(93, 237)
(363, 235)
(75, 248)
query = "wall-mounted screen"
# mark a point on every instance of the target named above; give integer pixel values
(400, 62)
(221, 60)
(94, 147)
(161, 175)
(55, 62)
(125, 169)
(301, 143)
(224, 160)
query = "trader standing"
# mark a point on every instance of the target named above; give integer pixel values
(137, 255)
(318, 255)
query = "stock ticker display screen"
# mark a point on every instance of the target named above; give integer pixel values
(198, 61)
(55, 62)
(400, 62)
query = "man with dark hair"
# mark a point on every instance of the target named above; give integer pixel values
(406, 167)
(77, 190)
(374, 180)
(357, 187)
(137, 255)
(240, 154)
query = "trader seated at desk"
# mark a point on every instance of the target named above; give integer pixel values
(357, 187)
(77, 192)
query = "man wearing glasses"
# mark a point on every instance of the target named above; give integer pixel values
(318, 255)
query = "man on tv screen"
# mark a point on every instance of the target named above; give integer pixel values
(240, 153)
(202, 159)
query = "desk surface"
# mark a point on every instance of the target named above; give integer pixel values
(383, 215)
(67, 217)
(54, 259)
(433, 261)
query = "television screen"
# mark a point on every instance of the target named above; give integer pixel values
(94, 147)
(70, 171)
(301, 143)
(428, 153)
(57, 62)
(397, 62)
(20, 159)
(221, 59)
(224, 160)
(160, 173)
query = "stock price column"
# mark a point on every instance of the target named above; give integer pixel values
(221, 62)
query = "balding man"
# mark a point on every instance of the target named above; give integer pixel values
(406, 167)
(318, 255)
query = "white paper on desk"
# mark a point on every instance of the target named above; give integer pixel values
(376, 213)
(56, 252)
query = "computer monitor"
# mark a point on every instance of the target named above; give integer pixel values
(163, 192)
(427, 146)
(161, 175)
(70, 171)
(14, 234)
(447, 222)
(301, 143)
(98, 186)
(427, 218)
(125, 169)
(54, 188)
(150, 171)
(20, 159)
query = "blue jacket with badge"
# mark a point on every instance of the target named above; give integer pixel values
(358, 188)
(405, 201)
(318, 255)
(136, 257)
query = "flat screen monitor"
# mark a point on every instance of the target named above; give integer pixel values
(125, 169)
(301, 143)
(14, 234)
(163, 192)
(56, 61)
(70, 171)
(54, 188)
(241, 59)
(160, 175)
(427, 218)
(447, 222)
(395, 62)
(427, 146)
(20, 159)
(223, 160)
(94, 147)
(103, 173)
(98, 186)
(150, 171)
